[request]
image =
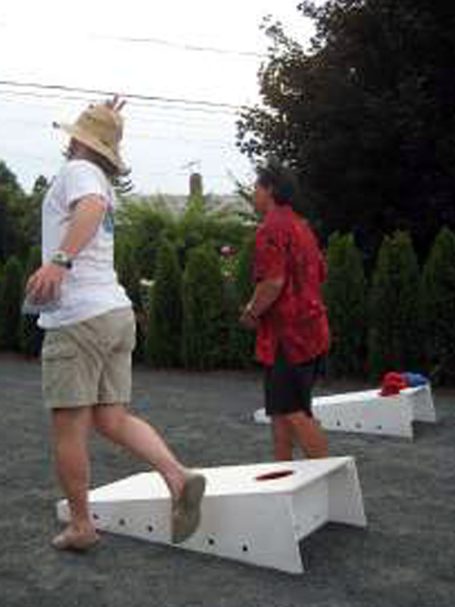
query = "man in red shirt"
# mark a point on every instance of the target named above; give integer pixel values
(288, 313)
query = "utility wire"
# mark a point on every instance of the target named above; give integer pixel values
(183, 46)
(198, 48)
(157, 173)
(153, 130)
(202, 142)
(156, 115)
(131, 96)
(132, 103)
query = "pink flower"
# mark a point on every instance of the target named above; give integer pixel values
(227, 251)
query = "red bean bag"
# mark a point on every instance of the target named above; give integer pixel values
(392, 383)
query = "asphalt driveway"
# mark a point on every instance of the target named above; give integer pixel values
(405, 558)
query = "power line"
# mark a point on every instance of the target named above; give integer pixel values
(157, 105)
(53, 92)
(221, 144)
(184, 46)
(157, 173)
(199, 136)
(130, 96)
(172, 44)
(190, 119)
(43, 96)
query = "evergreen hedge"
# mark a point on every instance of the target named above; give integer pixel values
(345, 294)
(399, 323)
(163, 343)
(240, 340)
(438, 307)
(395, 331)
(202, 298)
(11, 294)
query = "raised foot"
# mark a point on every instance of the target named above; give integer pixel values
(186, 509)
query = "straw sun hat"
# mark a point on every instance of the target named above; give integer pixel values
(100, 128)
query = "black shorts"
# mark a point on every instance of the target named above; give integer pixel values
(289, 387)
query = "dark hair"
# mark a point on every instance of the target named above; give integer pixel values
(120, 181)
(283, 184)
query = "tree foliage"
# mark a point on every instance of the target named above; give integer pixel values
(345, 294)
(203, 303)
(438, 306)
(395, 330)
(20, 215)
(365, 116)
(140, 223)
(238, 292)
(11, 290)
(163, 347)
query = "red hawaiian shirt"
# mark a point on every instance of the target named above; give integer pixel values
(297, 321)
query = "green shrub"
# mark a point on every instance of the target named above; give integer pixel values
(395, 336)
(163, 345)
(238, 292)
(202, 292)
(200, 224)
(10, 304)
(128, 271)
(140, 223)
(438, 307)
(346, 298)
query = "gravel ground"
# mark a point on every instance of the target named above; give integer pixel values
(405, 558)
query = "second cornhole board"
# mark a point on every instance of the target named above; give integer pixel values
(368, 412)
(255, 513)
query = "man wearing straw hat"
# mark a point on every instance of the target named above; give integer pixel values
(90, 330)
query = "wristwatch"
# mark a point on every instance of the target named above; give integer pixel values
(62, 259)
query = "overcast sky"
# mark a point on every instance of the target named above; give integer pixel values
(83, 44)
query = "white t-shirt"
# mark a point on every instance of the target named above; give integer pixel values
(91, 287)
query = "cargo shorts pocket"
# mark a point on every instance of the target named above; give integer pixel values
(57, 346)
(59, 369)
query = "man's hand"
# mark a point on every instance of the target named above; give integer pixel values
(247, 320)
(265, 295)
(45, 284)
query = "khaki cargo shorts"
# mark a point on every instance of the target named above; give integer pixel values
(89, 363)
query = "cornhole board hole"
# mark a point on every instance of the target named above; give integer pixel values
(370, 413)
(255, 513)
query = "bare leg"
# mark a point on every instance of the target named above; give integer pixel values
(186, 488)
(118, 425)
(71, 428)
(282, 438)
(311, 439)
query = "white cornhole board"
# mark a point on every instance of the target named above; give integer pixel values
(368, 412)
(256, 521)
